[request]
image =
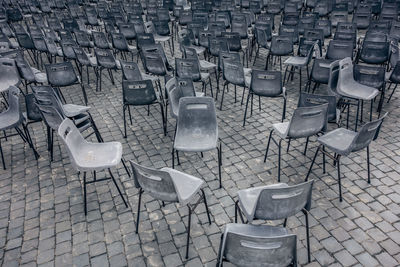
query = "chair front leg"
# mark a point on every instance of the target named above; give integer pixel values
(308, 235)
(312, 163)
(206, 205)
(368, 166)
(269, 141)
(188, 231)
(138, 210)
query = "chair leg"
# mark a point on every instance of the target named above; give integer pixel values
(312, 163)
(358, 112)
(84, 93)
(308, 236)
(138, 210)
(124, 115)
(163, 119)
(305, 148)
(269, 141)
(323, 160)
(29, 139)
(279, 160)
(223, 93)
(245, 110)
(394, 89)
(188, 232)
(284, 109)
(173, 158)
(119, 190)
(368, 166)
(219, 150)
(84, 192)
(205, 204)
(219, 257)
(2, 156)
(236, 210)
(339, 178)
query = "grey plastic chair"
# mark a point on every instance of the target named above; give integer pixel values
(343, 142)
(169, 185)
(90, 157)
(305, 122)
(8, 74)
(12, 118)
(140, 93)
(275, 202)
(348, 88)
(257, 245)
(267, 84)
(197, 129)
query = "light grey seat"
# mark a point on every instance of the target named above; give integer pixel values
(306, 122)
(197, 128)
(169, 185)
(343, 142)
(257, 245)
(90, 157)
(275, 202)
(12, 118)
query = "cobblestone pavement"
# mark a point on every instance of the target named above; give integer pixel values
(42, 221)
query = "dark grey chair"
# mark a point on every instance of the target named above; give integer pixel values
(139, 93)
(343, 142)
(257, 245)
(197, 129)
(306, 122)
(169, 185)
(275, 202)
(267, 84)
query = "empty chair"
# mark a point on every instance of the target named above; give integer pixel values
(263, 37)
(342, 142)
(265, 84)
(197, 129)
(305, 122)
(105, 60)
(325, 25)
(204, 65)
(62, 75)
(310, 100)
(131, 71)
(171, 186)
(190, 68)
(250, 245)
(394, 78)
(90, 157)
(275, 202)
(338, 49)
(374, 52)
(8, 74)
(84, 60)
(12, 118)
(139, 93)
(280, 46)
(121, 45)
(319, 73)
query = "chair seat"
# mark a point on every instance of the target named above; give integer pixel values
(255, 230)
(247, 71)
(194, 140)
(204, 76)
(149, 77)
(248, 199)
(9, 119)
(205, 65)
(40, 77)
(199, 49)
(186, 185)
(296, 61)
(339, 140)
(98, 156)
(355, 90)
(160, 38)
(93, 61)
(72, 110)
(282, 129)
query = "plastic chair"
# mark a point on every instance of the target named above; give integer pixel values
(343, 142)
(90, 157)
(121, 45)
(8, 74)
(233, 73)
(12, 118)
(105, 60)
(62, 75)
(250, 245)
(190, 68)
(84, 60)
(394, 78)
(197, 129)
(310, 100)
(338, 49)
(139, 93)
(280, 46)
(305, 122)
(130, 71)
(169, 185)
(374, 52)
(275, 202)
(266, 84)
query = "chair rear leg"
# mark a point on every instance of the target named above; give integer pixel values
(138, 210)
(339, 178)
(2, 156)
(312, 163)
(188, 232)
(269, 141)
(368, 166)
(205, 204)
(119, 190)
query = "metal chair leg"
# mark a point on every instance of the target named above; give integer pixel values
(279, 160)
(312, 163)
(205, 204)
(138, 210)
(368, 166)
(339, 178)
(84, 192)
(188, 232)
(269, 141)
(119, 190)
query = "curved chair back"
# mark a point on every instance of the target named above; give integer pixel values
(281, 45)
(277, 203)
(131, 71)
(138, 92)
(233, 72)
(61, 74)
(308, 121)
(50, 116)
(266, 83)
(67, 46)
(187, 68)
(334, 70)
(128, 30)
(227, 55)
(339, 49)
(156, 183)
(144, 39)
(311, 100)
(251, 250)
(8, 74)
(367, 134)
(72, 138)
(119, 42)
(105, 58)
(100, 40)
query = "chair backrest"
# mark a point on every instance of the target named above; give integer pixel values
(130, 71)
(334, 70)
(308, 121)
(13, 101)
(197, 115)
(233, 72)
(216, 45)
(180, 88)
(81, 56)
(100, 40)
(156, 183)
(310, 100)
(72, 139)
(226, 55)
(339, 49)
(138, 92)
(119, 42)
(105, 58)
(187, 68)
(128, 30)
(277, 203)
(266, 83)
(367, 134)
(281, 45)
(251, 250)
(61, 74)
(375, 52)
